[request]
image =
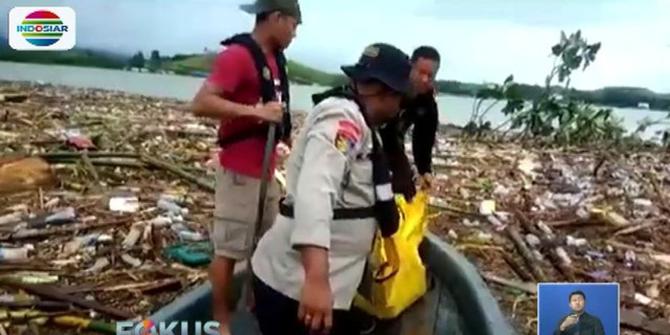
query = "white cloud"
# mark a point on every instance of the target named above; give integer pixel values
(480, 40)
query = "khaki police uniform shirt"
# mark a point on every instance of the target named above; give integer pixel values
(329, 168)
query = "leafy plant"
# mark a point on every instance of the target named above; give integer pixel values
(552, 115)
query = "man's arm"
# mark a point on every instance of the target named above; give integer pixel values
(227, 75)
(208, 102)
(332, 138)
(558, 330)
(423, 136)
(399, 163)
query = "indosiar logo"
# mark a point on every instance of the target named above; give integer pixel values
(42, 28)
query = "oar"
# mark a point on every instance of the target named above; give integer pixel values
(252, 239)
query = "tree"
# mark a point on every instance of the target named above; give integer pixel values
(554, 114)
(137, 60)
(155, 61)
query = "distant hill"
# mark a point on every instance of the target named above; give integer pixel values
(297, 72)
(77, 56)
(200, 65)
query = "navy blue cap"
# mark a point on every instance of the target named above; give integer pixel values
(382, 62)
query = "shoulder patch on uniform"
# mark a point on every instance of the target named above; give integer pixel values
(347, 136)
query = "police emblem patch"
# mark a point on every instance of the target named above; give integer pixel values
(347, 136)
(371, 51)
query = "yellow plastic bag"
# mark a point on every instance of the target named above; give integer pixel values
(396, 276)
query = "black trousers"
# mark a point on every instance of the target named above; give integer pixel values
(277, 314)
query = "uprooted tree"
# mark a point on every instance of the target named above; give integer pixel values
(554, 115)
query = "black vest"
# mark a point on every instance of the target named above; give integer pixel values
(385, 209)
(268, 92)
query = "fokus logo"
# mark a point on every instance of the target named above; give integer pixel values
(42, 28)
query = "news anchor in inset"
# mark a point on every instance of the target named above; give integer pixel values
(579, 322)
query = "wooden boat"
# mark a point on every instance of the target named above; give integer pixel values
(457, 302)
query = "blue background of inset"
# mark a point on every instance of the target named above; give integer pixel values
(601, 301)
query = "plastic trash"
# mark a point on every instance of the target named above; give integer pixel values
(630, 258)
(75, 139)
(14, 254)
(575, 242)
(532, 240)
(99, 265)
(32, 277)
(595, 255)
(563, 255)
(52, 203)
(161, 221)
(466, 222)
(487, 207)
(190, 254)
(130, 260)
(64, 216)
(453, 235)
(11, 218)
(174, 198)
(527, 166)
(494, 221)
(132, 237)
(190, 236)
(77, 243)
(128, 204)
(642, 207)
(171, 207)
(610, 217)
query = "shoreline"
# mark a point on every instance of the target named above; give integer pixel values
(303, 82)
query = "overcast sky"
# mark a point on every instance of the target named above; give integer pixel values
(480, 40)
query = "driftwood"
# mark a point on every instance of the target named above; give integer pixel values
(523, 286)
(179, 172)
(636, 228)
(53, 292)
(41, 233)
(146, 287)
(15, 97)
(637, 321)
(550, 244)
(518, 268)
(93, 154)
(527, 255)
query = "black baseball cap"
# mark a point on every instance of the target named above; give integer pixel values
(288, 7)
(382, 62)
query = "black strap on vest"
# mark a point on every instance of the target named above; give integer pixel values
(384, 209)
(268, 92)
(338, 213)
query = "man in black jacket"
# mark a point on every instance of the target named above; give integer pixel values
(579, 322)
(420, 110)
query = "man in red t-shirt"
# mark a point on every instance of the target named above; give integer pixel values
(234, 93)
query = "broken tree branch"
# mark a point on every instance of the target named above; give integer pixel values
(515, 236)
(53, 292)
(40, 233)
(179, 172)
(91, 154)
(550, 244)
(518, 269)
(523, 286)
(637, 321)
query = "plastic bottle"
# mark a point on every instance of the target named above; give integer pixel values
(13, 254)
